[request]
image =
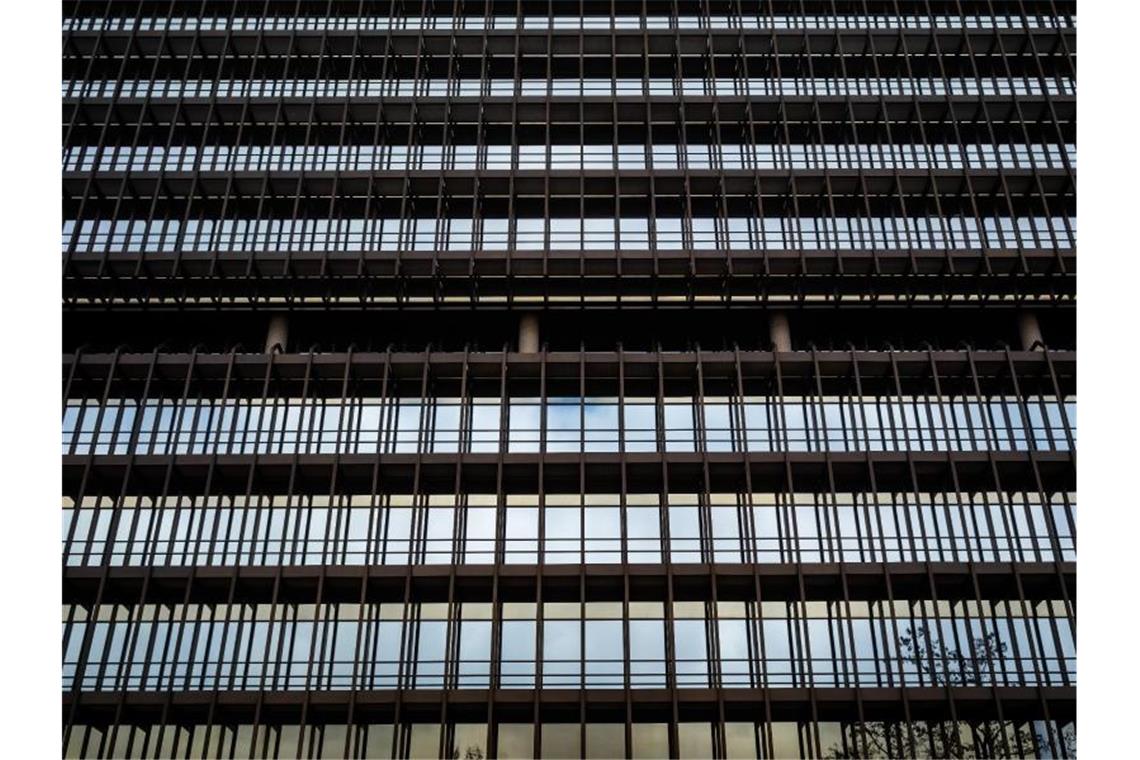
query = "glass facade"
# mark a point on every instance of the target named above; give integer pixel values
(641, 378)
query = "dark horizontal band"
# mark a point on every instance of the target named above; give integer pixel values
(432, 705)
(803, 372)
(351, 584)
(569, 473)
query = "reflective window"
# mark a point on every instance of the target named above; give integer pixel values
(476, 23)
(563, 87)
(760, 527)
(730, 644)
(238, 236)
(568, 424)
(586, 233)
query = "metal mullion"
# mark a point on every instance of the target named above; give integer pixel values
(111, 108)
(319, 622)
(451, 676)
(647, 157)
(276, 642)
(1065, 162)
(73, 371)
(148, 225)
(69, 540)
(413, 628)
(233, 678)
(303, 513)
(748, 137)
(1029, 142)
(687, 239)
(375, 544)
(540, 611)
(802, 646)
(834, 542)
(89, 462)
(987, 435)
(623, 528)
(828, 226)
(758, 672)
(96, 45)
(496, 654)
(170, 655)
(1033, 637)
(709, 556)
(1001, 174)
(906, 56)
(173, 655)
(1045, 502)
(198, 623)
(1016, 100)
(745, 519)
(871, 532)
(177, 408)
(700, 435)
(409, 633)
(1040, 654)
(413, 117)
(387, 434)
(211, 711)
(211, 110)
(911, 533)
(854, 656)
(69, 625)
(421, 502)
(130, 641)
(666, 553)
(895, 174)
(355, 734)
(258, 510)
(501, 451)
(935, 379)
(1032, 449)
(583, 556)
(343, 511)
(463, 446)
(893, 617)
(219, 404)
(721, 234)
(1017, 658)
(983, 238)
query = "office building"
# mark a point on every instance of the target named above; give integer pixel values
(623, 378)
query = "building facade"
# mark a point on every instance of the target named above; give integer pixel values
(591, 378)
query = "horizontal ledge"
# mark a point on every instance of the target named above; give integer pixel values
(71, 178)
(542, 34)
(632, 111)
(789, 582)
(463, 705)
(569, 473)
(588, 188)
(795, 367)
(376, 100)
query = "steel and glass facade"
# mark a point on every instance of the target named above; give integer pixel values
(601, 378)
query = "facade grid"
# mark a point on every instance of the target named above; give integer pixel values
(584, 378)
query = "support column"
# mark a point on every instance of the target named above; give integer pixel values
(779, 332)
(277, 336)
(1030, 330)
(528, 332)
